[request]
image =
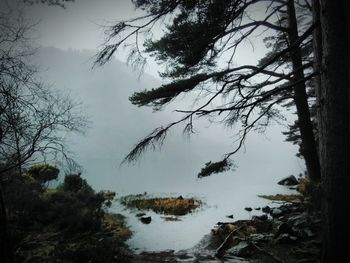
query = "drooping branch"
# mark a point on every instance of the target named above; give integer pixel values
(198, 33)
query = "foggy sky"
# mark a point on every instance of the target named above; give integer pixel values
(117, 125)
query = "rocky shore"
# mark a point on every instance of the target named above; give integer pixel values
(289, 233)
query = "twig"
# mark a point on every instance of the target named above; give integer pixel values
(224, 245)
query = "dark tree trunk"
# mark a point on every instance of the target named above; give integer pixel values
(317, 50)
(334, 120)
(309, 149)
(5, 246)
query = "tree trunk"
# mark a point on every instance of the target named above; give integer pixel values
(309, 149)
(317, 50)
(5, 246)
(334, 119)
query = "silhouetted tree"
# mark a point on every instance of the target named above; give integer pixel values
(332, 44)
(34, 119)
(198, 47)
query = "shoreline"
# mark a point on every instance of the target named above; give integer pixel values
(290, 234)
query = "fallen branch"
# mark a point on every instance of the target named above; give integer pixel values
(225, 244)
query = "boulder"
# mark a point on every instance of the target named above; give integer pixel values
(261, 238)
(276, 212)
(290, 180)
(242, 249)
(146, 219)
(284, 228)
(300, 220)
(249, 209)
(266, 209)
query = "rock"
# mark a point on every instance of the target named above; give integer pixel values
(257, 208)
(242, 249)
(180, 198)
(262, 226)
(266, 209)
(290, 180)
(146, 219)
(308, 232)
(286, 239)
(299, 221)
(249, 209)
(230, 216)
(276, 212)
(284, 228)
(261, 238)
(262, 217)
(230, 258)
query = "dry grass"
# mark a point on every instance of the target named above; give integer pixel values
(176, 206)
(115, 223)
(304, 185)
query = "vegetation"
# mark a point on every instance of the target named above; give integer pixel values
(177, 206)
(309, 53)
(34, 121)
(43, 173)
(69, 223)
(199, 47)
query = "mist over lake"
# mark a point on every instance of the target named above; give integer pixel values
(117, 125)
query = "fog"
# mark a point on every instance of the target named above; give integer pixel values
(116, 125)
(69, 39)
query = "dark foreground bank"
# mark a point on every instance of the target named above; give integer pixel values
(69, 223)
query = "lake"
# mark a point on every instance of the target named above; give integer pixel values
(116, 126)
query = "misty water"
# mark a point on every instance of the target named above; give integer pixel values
(116, 126)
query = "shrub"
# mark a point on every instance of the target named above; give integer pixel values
(43, 173)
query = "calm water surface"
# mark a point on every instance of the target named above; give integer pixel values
(116, 126)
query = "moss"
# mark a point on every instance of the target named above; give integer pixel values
(283, 198)
(176, 206)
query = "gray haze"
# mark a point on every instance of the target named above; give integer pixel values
(65, 36)
(117, 125)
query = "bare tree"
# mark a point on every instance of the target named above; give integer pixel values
(34, 118)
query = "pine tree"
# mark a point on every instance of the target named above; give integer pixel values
(198, 47)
